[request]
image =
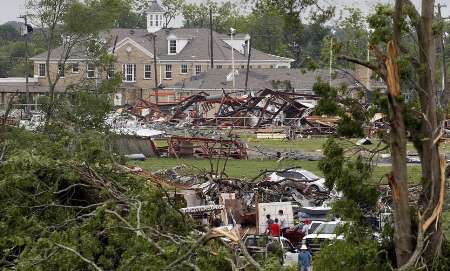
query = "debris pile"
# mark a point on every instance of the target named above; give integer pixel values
(256, 110)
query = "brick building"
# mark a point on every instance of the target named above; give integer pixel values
(181, 54)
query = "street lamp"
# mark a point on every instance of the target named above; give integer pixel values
(232, 31)
(331, 52)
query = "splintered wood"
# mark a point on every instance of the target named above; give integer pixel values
(393, 79)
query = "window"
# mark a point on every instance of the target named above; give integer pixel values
(184, 68)
(156, 20)
(129, 72)
(168, 74)
(198, 69)
(111, 71)
(151, 20)
(172, 47)
(219, 66)
(242, 66)
(42, 70)
(61, 70)
(75, 68)
(90, 70)
(147, 71)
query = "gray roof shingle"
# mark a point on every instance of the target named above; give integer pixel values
(198, 46)
(258, 79)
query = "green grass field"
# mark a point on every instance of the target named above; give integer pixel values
(446, 224)
(248, 169)
(307, 144)
(316, 144)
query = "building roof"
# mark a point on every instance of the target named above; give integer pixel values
(299, 80)
(197, 48)
(155, 7)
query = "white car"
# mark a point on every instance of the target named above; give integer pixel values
(300, 177)
(324, 232)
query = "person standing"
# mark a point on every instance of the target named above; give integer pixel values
(269, 222)
(275, 228)
(304, 259)
(283, 222)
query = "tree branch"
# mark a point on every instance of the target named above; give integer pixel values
(359, 62)
(96, 267)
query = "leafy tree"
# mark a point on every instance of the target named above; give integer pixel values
(8, 33)
(224, 15)
(351, 38)
(173, 8)
(78, 22)
(404, 48)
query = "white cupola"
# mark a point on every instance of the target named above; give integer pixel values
(155, 17)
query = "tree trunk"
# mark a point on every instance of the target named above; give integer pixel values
(399, 176)
(430, 127)
(399, 185)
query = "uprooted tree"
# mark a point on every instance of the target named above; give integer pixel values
(404, 43)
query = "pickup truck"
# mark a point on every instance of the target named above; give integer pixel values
(325, 232)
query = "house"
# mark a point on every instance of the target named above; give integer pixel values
(180, 53)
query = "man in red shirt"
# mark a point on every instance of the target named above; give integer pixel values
(275, 228)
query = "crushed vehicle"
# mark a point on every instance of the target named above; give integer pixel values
(300, 179)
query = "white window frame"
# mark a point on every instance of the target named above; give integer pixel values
(167, 71)
(219, 67)
(184, 66)
(172, 47)
(151, 19)
(156, 20)
(90, 70)
(198, 69)
(129, 73)
(147, 71)
(42, 67)
(77, 65)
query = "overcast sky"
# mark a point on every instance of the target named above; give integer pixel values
(11, 9)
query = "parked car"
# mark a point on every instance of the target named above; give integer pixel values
(262, 244)
(325, 232)
(300, 178)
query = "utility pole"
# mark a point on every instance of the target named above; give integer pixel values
(154, 59)
(27, 90)
(248, 61)
(211, 38)
(152, 36)
(331, 54)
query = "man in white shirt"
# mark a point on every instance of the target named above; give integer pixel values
(283, 222)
